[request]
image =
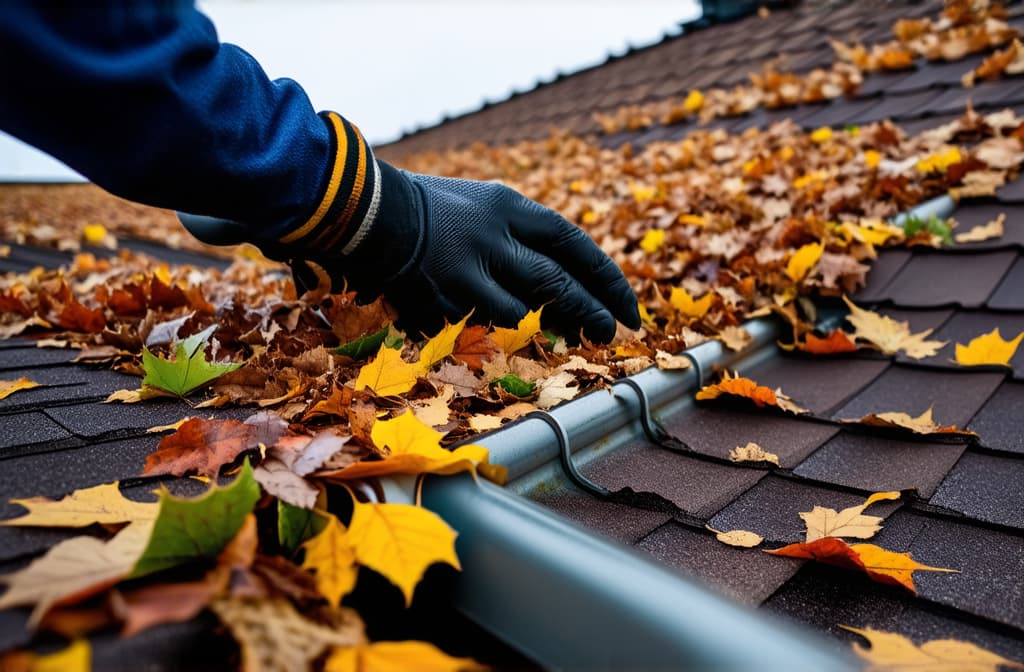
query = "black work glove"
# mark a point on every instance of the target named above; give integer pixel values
(439, 248)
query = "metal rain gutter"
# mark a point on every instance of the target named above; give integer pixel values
(570, 599)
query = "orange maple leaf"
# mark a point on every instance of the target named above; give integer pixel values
(473, 346)
(879, 564)
(834, 343)
(739, 387)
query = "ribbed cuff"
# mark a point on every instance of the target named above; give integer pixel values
(351, 199)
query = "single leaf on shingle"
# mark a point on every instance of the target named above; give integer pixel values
(473, 346)
(511, 340)
(922, 424)
(988, 349)
(441, 345)
(330, 556)
(879, 564)
(9, 387)
(977, 234)
(892, 652)
(398, 657)
(850, 522)
(74, 570)
(388, 374)
(747, 389)
(890, 336)
(192, 529)
(102, 504)
(275, 637)
(188, 370)
(738, 538)
(752, 453)
(400, 541)
(803, 260)
(681, 300)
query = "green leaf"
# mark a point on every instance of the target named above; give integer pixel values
(189, 368)
(395, 339)
(295, 525)
(363, 347)
(194, 529)
(933, 225)
(515, 385)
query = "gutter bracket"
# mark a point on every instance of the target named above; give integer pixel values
(565, 456)
(652, 428)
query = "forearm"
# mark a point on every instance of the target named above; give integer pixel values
(144, 100)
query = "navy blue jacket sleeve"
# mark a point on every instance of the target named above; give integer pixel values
(143, 99)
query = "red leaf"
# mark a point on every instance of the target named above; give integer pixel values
(473, 346)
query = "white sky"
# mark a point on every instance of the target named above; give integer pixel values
(391, 65)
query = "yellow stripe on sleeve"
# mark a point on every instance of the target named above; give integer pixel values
(332, 186)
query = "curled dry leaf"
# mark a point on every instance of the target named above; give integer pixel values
(892, 652)
(890, 336)
(669, 362)
(9, 387)
(752, 453)
(735, 338)
(739, 538)
(734, 385)
(922, 424)
(850, 522)
(879, 564)
(988, 350)
(834, 343)
(977, 234)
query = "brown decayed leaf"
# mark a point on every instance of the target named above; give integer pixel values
(459, 376)
(274, 637)
(204, 446)
(735, 338)
(879, 564)
(280, 481)
(892, 652)
(850, 522)
(474, 346)
(922, 424)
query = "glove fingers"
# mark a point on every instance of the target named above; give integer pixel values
(547, 232)
(422, 309)
(569, 307)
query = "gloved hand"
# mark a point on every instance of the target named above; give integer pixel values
(440, 247)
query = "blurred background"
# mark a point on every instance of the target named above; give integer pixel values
(392, 66)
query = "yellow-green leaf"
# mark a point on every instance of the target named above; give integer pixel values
(511, 340)
(988, 349)
(803, 260)
(400, 541)
(331, 557)
(188, 370)
(102, 504)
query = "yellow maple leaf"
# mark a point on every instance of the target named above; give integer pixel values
(872, 231)
(9, 387)
(898, 568)
(511, 340)
(872, 158)
(400, 541)
(388, 374)
(694, 101)
(892, 652)
(687, 305)
(102, 504)
(888, 335)
(988, 349)
(411, 447)
(803, 260)
(652, 240)
(939, 161)
(398, 657)
(94, 234)
(442, 345)
(77, 657)
(850, 522)
(330, 556)
(822, 134)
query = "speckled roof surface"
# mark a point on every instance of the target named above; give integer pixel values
(965, 508)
